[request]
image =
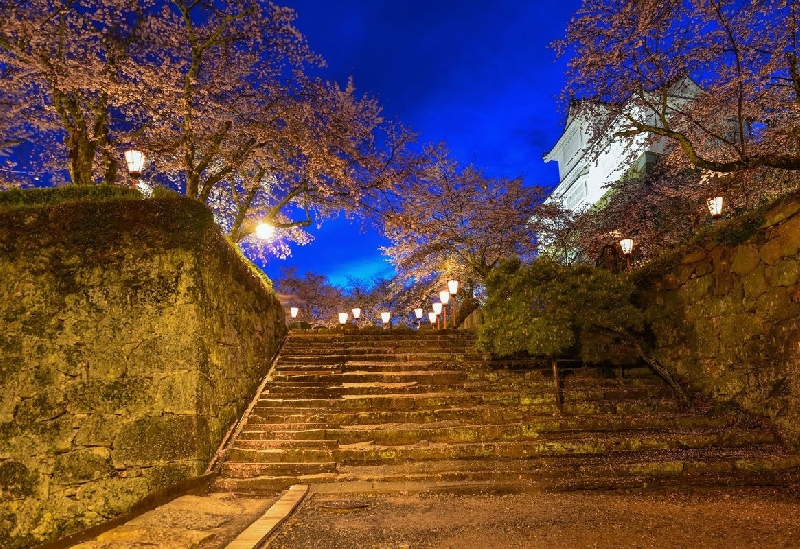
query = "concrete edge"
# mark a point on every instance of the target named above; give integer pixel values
(192, 486)
(257, 533)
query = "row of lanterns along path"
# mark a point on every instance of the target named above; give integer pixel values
(436, 316)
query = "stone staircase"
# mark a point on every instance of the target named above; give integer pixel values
(422, 411)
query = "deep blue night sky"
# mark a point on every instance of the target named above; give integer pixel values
(477, 74)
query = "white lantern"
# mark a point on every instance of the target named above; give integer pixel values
(418, 314)
(135, 161)
(385, 317)
(715, 206)
(432, 317)
(343, 318)
(437, 308)
(627, 245)
(444, 297)
(293, 311)
(452, 285)
(356, 313)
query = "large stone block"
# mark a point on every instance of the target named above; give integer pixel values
(786, 273)
(82, 466)
(161, 439)
(745, 260)
(99, 396)
(112, 496)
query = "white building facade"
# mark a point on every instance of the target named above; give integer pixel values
(584, 174)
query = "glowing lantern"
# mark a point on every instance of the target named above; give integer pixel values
(265, 231)
(627, 245)
(715, 206)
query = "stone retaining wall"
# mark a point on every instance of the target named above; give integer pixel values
(133, 335)
(726, 318)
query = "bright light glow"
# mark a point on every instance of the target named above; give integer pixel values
(356, 313)
(452, 285)
(265, 231)
(437, 308)
(385, 316)
(432, 317)
(418, 313)
(627, 245)
(343, 318)
(715, 206)
(135, 161)
(444, 297)
(293, 311)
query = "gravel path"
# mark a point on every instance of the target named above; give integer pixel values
(709, 518)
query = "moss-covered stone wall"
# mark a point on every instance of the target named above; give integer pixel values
(725, 315)
(133, 336)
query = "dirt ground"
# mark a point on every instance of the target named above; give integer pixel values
(758, 518)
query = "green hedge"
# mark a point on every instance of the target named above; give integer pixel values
(15, 198)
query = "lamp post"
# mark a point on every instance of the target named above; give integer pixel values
(356, 314)
(452, 286)
(432, 316)
(418, 314)
(627, 248)
(386, 317)
(135, 162)
(444, 297)
(437, 310)
(715, 207)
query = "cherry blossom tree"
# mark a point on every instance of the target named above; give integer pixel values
(455, 222)
(218, 96)
(719, 79)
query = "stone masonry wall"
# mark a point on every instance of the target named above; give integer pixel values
(131, 336)
(726, 318)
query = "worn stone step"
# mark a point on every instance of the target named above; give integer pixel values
(619, 439)
(293, 412)
(635, 470)
(413, 399)
(297, 443)
(518, 432)
(470, 378)
(259, 451)
(337, 359)
(538, 425)
(237, 454)
(235, 470)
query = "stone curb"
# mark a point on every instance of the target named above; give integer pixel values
(261, 529)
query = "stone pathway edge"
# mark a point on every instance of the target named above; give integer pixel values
(258, 532)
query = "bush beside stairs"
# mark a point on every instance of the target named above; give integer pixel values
(424, 411)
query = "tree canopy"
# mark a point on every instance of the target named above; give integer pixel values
(633, 60)
(456, 222)
(219, 95)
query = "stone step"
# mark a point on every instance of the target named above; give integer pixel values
(344, 358)
(254, 430)
(259, 451)
(286, 470)
(711, 466)
(387, 347)
(471, 413)
(467, 434)
(456, 431)
(322, 377)
(421, 398)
